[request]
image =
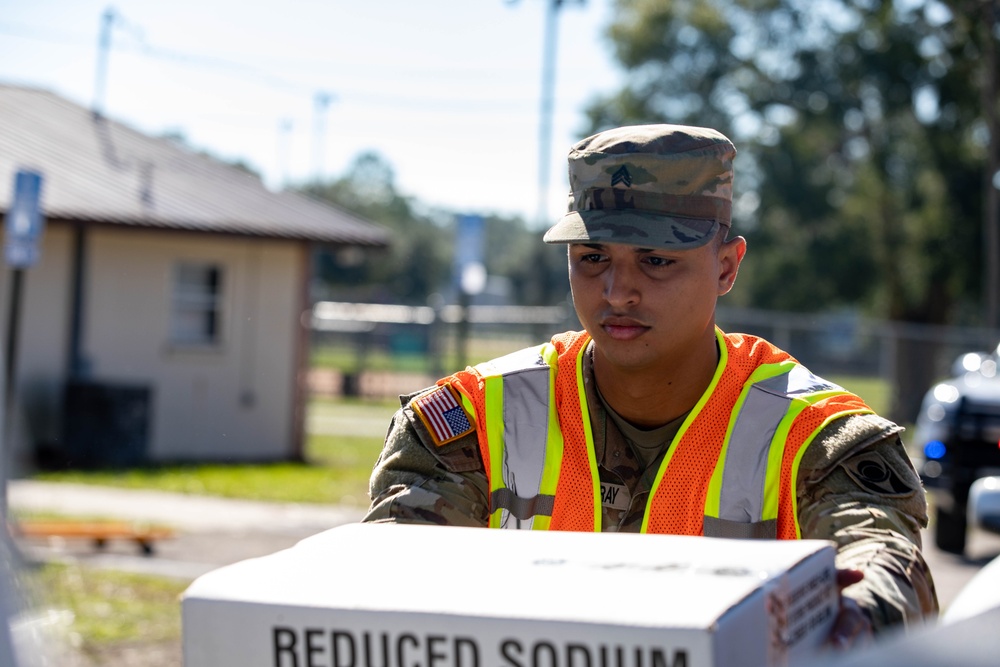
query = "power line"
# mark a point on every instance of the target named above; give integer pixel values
(136, 42)
(113, 19)
(42, 34)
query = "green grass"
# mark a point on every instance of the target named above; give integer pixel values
(337, 467)
(346, 359)
(341, 478)
(278, 482)
(874, 391)
(108, 607)
(481, 348)
(112, 608)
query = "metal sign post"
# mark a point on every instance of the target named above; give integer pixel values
(23, 225)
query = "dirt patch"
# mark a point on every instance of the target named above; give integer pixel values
(152, 654)
(370, 384)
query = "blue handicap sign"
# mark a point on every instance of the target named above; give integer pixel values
(24, 221)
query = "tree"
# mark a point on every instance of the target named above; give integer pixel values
(537, 271)
(862, 146)
(419, 261)
(178, 137)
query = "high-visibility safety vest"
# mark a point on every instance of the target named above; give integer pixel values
(729, 472)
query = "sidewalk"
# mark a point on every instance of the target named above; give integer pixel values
(210, 532)
(181, 511)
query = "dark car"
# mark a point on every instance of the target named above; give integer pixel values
(959, 431)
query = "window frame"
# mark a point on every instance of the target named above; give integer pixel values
(197, 304)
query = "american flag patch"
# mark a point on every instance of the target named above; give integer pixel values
(442, 414)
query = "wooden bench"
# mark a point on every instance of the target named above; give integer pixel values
(99, 531)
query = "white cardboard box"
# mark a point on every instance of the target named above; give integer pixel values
(366, 595)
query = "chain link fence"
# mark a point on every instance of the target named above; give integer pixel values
(381, 350)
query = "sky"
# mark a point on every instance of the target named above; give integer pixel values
(447, 91)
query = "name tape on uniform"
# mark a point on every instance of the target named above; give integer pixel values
(615, 496)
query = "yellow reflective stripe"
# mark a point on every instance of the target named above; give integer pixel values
(765, 372)
(470, 407)
(495, 430)
(723, 361)
(775, 454)
(714, 493)
(798, 459)
(589, 435)
(494, 437)
(553, 441)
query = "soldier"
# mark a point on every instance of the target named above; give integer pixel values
(684, 429)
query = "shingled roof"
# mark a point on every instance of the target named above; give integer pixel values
(101, 171)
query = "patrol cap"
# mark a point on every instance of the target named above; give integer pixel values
(648, 185)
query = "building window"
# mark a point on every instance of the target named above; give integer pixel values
(197, 304)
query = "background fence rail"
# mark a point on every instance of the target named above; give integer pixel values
(360, 347)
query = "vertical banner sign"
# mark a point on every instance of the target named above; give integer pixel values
(468, 274)
(24, 221)
(468, 270)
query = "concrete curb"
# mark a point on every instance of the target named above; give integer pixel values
(181, 511)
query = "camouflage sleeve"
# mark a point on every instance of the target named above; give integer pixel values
(416, 482)
(858, 488)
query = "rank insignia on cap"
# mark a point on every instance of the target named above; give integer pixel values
(622, 176)
(442, 413)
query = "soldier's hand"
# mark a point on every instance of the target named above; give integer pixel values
(852, 626)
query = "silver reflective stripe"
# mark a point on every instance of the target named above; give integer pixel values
(798, 381)
(526, 359)
(525, 381)
(520, 508)
(758, 530)
(742, 495)
(525, 432)
(745, 471)
(525, 429)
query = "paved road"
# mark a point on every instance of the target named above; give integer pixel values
(951, 572)
(212, 532)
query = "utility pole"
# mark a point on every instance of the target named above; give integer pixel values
(103, 54)
(549, 52)
(284, 150)
(322, 102)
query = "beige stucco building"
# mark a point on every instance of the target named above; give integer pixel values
(163, 320)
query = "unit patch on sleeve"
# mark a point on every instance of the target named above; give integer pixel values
(442, 413)
(870, 471)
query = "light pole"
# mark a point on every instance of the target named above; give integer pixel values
(285, 127)
(103, 53)
(322, 102)
(549, 52)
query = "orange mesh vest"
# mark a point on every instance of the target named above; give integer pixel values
(730, 470)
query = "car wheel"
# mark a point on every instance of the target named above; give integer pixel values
(950, 529)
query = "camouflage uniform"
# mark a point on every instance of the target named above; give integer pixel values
(670, 186)
(856, 486)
